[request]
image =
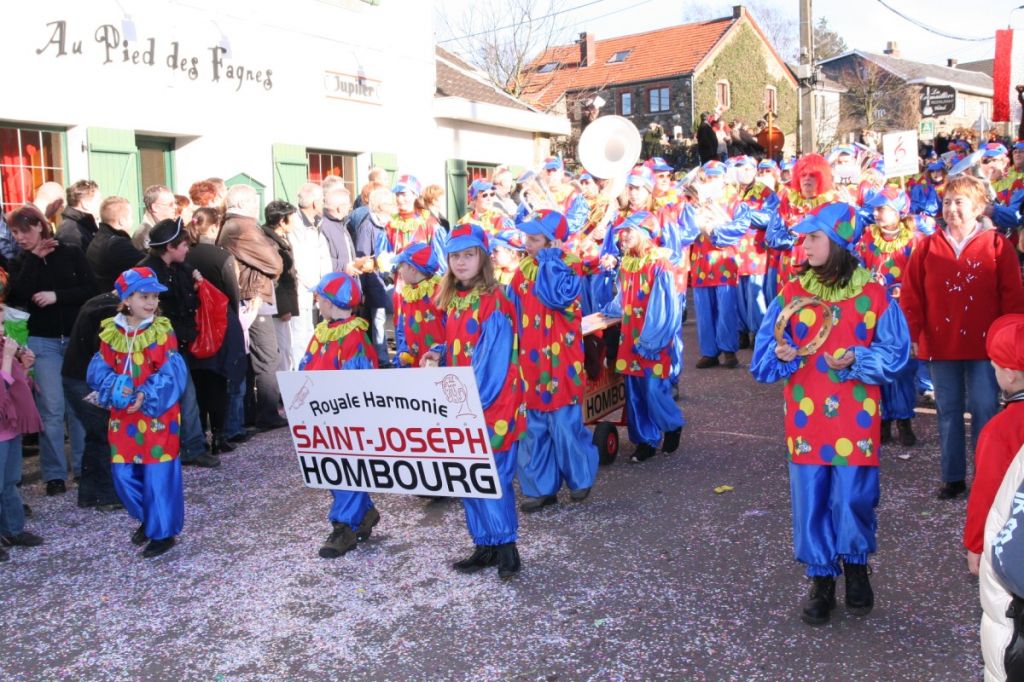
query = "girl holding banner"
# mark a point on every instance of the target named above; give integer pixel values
(340, 341)
(479, 333)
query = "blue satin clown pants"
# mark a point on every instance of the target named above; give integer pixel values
(494, 522)
(751, 302)
(833, 515)
(717, 319)
(650, 409)
(557, 449)
(924, 377)
(900, 396)
(771, 285)
(153, 495)
(349, 507)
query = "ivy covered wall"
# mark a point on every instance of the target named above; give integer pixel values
(743, 61)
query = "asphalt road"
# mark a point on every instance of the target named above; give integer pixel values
(655, 577)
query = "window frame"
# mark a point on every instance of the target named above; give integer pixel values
(727, 104)
(348, 163)
(625, 55)
(62, 168)
(664, 95)
(624, 99)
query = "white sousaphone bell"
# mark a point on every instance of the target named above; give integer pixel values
(609, 147)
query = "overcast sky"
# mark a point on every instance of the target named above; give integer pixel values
(864, 24)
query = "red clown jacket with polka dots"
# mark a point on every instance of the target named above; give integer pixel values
(418, 326)
(832, 417)
(887, 258)
(479, 334)
(546, 292)
(340, 344)
(713, 256)
(149, 355)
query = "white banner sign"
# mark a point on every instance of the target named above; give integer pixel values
(408, 431)
(900, 152)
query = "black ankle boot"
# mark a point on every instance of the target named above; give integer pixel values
(482, 557)
(643, 452)
(886, 431)
(817, 607)
(671, 442)
(860, 598)
(221, 444)
(905, 433)
(508, 560)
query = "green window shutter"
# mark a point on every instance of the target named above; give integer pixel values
(114, 164)
(455, 171)
(388, 162)
(246, 179)
(291, 170)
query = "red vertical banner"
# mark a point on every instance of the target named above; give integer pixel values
(1007, 73)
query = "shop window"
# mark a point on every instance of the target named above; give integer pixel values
(626, 104)
(323, 163)
(659, 100)
(28, 158)
(478, 171)
(723, 95)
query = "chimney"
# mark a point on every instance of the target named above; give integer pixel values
(588, 53)
(951, 63)
(892, 49)
(738, 11)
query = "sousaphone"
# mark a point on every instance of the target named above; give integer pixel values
(609, 147)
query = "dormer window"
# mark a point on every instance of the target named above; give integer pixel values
(549, 67)
(619, 56)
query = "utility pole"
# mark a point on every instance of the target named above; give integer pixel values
(806, 76)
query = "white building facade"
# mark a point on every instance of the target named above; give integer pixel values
(133, 92)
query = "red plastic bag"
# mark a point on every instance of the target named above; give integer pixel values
(211, 321)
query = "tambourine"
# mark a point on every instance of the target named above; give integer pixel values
(795, 306)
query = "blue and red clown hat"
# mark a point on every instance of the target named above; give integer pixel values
(935, 167)
(641, 220)
(993, 149)
(713, 169)
(553, 163)
(508, 239)
(420, 256)
(340, 289)
(477, 187)
(893, 197)
(767, 164)
(407, 183)
(743, 160)
(465, 236)
(837, 220)
(138, 280)
(551, 224)
(584, 175)
(1018, 145)
(640, 176)
(658, 165)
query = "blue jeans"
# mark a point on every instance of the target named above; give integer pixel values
(234, 420)
(54, 410)
(193, 437)
(12, 514)
(961, 384)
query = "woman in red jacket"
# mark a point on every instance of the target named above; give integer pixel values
(958, 281)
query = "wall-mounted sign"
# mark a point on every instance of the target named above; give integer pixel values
(338, 85)
(108, 42)
(937, 100)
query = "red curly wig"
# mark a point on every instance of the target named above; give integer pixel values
(816, 165)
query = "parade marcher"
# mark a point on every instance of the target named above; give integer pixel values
(958, 281)
(1013, 179)
(482, 212)
(648, 304)
(884, 249)
(411, 225)
(831, 404)
(722, 221)
(588, 245)
(139, 375)
(18, 416)
(757, 191)
(479, 333)
(664, 192)
(507, 250)
(567, 200)
(50, 280)
(926, 197)
(546, 292)
(418, 324)
(341, 341)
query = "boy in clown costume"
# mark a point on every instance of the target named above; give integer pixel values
(831, 404)
(722, 221)
(546, 292)
(340, 341)
(757, 191)
(651, 317)
(409, 225)
(885, 249)
(926, 196)
(507, 250)
(418, 326)
(568, 201)
(479, 333)
(139, 376)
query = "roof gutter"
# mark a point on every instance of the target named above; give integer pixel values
(460, 109)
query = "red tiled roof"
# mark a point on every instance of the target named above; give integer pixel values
(655, 54)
